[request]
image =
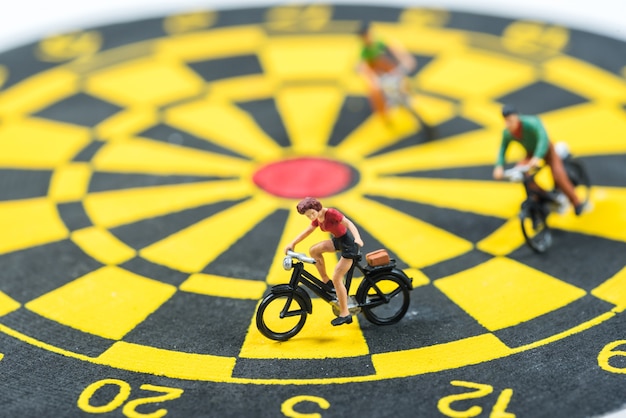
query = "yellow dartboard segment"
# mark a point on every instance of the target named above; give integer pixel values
(119, 207)
(415, 241)
(70, 183)
(102, 245)
(16, 221)
(140, 83)
(607, 219)
(35, 143)
(225, 287)
(309, 135)
(142, 156)
(300, 347)
(613, 290)
(498, 301)
(7, 304)
(188, 250)
(108, 302)
(462, 195)
(226, 125)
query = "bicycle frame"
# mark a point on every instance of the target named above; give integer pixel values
(534, 195)
(300, 275)
(392, 87)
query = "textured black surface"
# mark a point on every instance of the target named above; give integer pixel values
(561, 379)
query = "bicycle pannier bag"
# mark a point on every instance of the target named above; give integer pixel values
(377, 258)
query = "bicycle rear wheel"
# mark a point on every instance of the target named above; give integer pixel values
(536, 232)
(384, 299)
(281, 316)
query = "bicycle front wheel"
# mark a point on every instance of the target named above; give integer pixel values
(280, 316)
(536, 232)
(384, 299)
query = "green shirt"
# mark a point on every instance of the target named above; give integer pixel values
(373, 51)
(534, 138)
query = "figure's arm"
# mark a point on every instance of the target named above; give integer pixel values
(292, 245)
(352, 228)
(498, 171)
(542, 141)
(368, 72)
(404, 58)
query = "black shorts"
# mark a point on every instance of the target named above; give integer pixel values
(346, 244)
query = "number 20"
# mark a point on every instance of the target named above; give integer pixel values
(129, 410)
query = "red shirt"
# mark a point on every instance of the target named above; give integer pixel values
(332, 223)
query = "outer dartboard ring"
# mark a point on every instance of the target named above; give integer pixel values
(85, 169)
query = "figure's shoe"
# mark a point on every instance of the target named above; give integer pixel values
(562, 203)
(580, 208)
(430, 131)
(340, 320)
(330, 287)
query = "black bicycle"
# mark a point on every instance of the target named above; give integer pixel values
(540, 203)
(383, 296)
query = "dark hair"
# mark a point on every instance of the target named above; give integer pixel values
(308, 203)
(508, 109)
(364, 28)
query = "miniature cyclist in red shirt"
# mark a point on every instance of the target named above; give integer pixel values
(345, 238)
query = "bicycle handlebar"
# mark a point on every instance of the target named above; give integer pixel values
(516, 174)
(302, 257)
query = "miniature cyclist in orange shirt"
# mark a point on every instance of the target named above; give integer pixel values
(383, 64)
(345, 238)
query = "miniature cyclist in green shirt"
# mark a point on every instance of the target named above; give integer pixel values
(530, 133)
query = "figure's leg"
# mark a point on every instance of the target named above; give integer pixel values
(560, 176)
(316, 252)
(377, 101)
(532, 184)
(343, 265)
(410, 105)
(344, 316)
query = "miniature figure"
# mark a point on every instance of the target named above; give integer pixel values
(386, 68)
(529, 132)
(345, 238)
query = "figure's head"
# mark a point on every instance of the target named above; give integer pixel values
(364, 32)
(308, 205)
(511, 117)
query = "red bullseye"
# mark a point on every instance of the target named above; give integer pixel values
(302, 177)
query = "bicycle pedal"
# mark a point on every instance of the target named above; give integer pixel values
(354, 310)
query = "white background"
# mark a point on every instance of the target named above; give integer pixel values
(25, 21)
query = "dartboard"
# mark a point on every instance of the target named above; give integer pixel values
(150, 172)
